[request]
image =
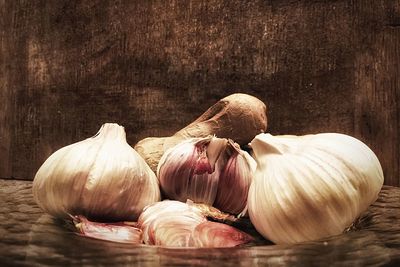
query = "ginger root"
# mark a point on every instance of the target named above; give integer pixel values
(239, 117)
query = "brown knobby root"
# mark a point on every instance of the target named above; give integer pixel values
(239, 117)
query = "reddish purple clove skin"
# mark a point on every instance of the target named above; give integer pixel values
(213, 171)
(185, 172)
(218, 235)
(234, 184)
(202, 166)
(122, 232)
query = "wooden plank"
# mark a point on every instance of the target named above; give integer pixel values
(377, 85)
(153, 66)
(6, 93)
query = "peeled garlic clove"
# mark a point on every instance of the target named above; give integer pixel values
(114, 232)
(102, 178)
(211, 170)
(169, 223)
(218, 235)
(311, 187)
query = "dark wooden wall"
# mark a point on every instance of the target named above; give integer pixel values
(153, 66)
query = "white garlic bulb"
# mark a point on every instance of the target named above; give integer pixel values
(310, 187)
(210, 170)
(102, 178)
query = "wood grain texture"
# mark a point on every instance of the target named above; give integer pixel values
(377, 85)
(154, 66)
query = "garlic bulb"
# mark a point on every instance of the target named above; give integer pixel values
(310, 187)
(176, 224)
(102, 178)
(210, 170)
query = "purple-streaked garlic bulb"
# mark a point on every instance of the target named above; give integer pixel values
(210, 170)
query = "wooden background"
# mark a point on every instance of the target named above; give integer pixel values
(154, 66)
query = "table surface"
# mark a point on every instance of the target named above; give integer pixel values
(29, 237)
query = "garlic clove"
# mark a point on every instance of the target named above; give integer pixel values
(176, 224)
(174, 232)
(218, 235)
(169, 223)
(234, 181)
(215, 147)
(115, 232)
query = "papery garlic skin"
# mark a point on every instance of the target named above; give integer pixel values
(210, 170)
(122, 232)
(310, 187)
(102, 178)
